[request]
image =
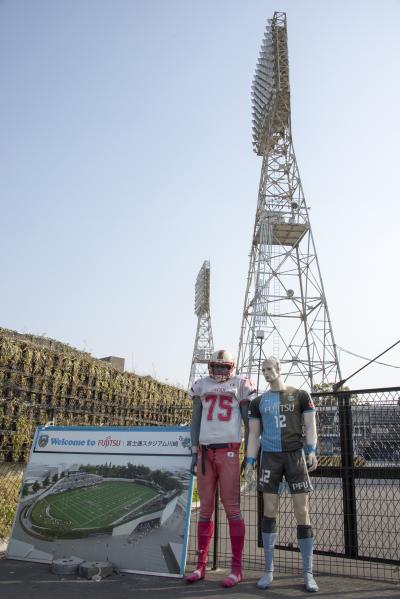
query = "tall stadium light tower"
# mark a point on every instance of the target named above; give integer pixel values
(284, 296)
(204, 344)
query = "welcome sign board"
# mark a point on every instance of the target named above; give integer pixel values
(117, 494)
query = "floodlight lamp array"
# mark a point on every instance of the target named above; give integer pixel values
(264, 86)
(267, 81)
(202, 290)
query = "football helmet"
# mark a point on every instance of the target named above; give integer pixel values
(221, 366)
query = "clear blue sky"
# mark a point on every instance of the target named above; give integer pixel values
(126, 161)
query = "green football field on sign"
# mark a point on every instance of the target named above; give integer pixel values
(97, 506)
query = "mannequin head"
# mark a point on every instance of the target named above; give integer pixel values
(271, 369)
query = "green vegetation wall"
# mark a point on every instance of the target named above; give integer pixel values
(43, 380)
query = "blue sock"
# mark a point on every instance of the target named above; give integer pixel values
(269, 536)
(305, 539)
(269, 540)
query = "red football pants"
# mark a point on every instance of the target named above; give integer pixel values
(220, 465)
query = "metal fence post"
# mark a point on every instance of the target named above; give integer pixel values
(349, 492)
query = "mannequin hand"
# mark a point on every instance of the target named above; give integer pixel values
(249, 473)
(193, 465)
(312, 462)
(250, 476)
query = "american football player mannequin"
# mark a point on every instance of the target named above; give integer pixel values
(220, 405)
(278, 415)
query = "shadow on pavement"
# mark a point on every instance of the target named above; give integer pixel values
(36, 580)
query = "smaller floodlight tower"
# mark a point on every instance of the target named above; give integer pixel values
(204, 344)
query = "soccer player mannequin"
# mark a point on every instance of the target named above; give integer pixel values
(278, 416)
(220, 405)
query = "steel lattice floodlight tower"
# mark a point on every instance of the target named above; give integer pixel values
(285, 310)
(204, 344)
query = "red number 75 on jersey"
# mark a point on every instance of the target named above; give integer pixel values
(224, 404)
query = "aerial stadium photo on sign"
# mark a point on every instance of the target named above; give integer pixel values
(118, 495)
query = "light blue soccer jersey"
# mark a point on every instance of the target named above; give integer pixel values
(280, 413)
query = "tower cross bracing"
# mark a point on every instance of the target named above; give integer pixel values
(285, 297)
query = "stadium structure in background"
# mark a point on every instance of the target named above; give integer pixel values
(285, 309)
(204, 344)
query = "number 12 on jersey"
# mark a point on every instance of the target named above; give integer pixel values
(223, 403)
(280, 421)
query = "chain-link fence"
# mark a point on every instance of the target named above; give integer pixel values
(355, 506)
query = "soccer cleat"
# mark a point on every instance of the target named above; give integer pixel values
(265, 580)
(196, 575)
(232, 579)
(309, 582)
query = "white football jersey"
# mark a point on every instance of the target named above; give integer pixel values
(221, 419)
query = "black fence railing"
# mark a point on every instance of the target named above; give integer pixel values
(355, 506)
(364, 431)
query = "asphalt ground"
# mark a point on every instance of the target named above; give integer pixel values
(36, 581)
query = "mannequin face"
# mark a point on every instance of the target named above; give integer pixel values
(270, 371)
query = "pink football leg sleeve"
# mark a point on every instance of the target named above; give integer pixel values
(204, 534)
(237, 532)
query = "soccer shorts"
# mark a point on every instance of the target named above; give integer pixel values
(291, 464)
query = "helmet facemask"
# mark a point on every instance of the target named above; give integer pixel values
(221, 371)
(221, 366)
